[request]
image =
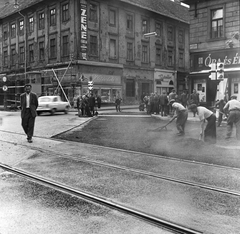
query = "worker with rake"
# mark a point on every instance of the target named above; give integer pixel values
(181, 114)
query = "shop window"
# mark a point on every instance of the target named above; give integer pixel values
(130, 88)
(217, 23)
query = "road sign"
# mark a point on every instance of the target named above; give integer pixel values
(5, 88)
(4, 78)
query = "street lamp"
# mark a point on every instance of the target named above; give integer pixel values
(16, 6)
(151, 34)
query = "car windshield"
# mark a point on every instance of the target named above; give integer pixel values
(45, 99)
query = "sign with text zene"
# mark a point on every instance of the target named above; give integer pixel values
(83, 30)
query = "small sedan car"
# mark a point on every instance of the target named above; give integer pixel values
(52, 104)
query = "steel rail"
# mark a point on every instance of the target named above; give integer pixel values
(142, 172)
(176, 228)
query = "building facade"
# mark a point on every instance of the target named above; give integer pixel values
(214, 39)
(61, 45)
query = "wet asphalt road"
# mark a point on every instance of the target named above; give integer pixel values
(31, 208)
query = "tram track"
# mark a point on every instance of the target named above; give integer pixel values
(141, 172)
(149, 218)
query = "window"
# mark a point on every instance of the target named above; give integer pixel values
(113, 48)
(129, 51)
(21, 54)
(93, 13)
(52, 17)
(21, 27)
(158, 29)
(41, 50)
(129, 22)
(13, 56)
(200, 61)
(65, 46)
(180, 36)
(65, 12)
(130, 88)
(41, 20)
(112, 17)
(31, 53)
(5, 35)
(13, 30)
(181, 58)
(5, 58)
(144, 54)
(170, 33)
(144, 26)
(170, 57)
(93, 50)
(53, 48)
(31, 26)
(217, 23)
(158, 56)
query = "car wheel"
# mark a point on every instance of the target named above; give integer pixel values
(66, 110)
(53, 111)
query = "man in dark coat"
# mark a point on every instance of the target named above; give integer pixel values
(29, 104)
(163, 99)
(91, 101)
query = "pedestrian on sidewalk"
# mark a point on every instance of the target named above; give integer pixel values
(181, 114)
(233, 107)
(91, 101)
(208, 133)
(118, 103)
(163, 99)
(28, 105)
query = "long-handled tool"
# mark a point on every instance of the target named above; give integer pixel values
(163, 127)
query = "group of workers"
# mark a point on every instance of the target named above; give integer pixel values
(208, 130)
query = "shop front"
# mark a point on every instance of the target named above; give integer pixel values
(164, 80)
(210, 88)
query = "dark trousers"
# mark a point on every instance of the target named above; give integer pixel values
(91, 108)
(28, 123)
(118, 107)
(210, 135)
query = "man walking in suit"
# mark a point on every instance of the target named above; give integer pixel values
(29, 104)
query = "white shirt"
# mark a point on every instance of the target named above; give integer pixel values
(232, 104)
(203, 113)
(178, 106)
(27, 100)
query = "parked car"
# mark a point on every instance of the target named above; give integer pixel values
(52, 104)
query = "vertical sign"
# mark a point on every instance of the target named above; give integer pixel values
(83, 37)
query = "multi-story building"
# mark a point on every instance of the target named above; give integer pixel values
(214, 39)
(46, 41)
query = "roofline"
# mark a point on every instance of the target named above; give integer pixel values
(149, 9)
